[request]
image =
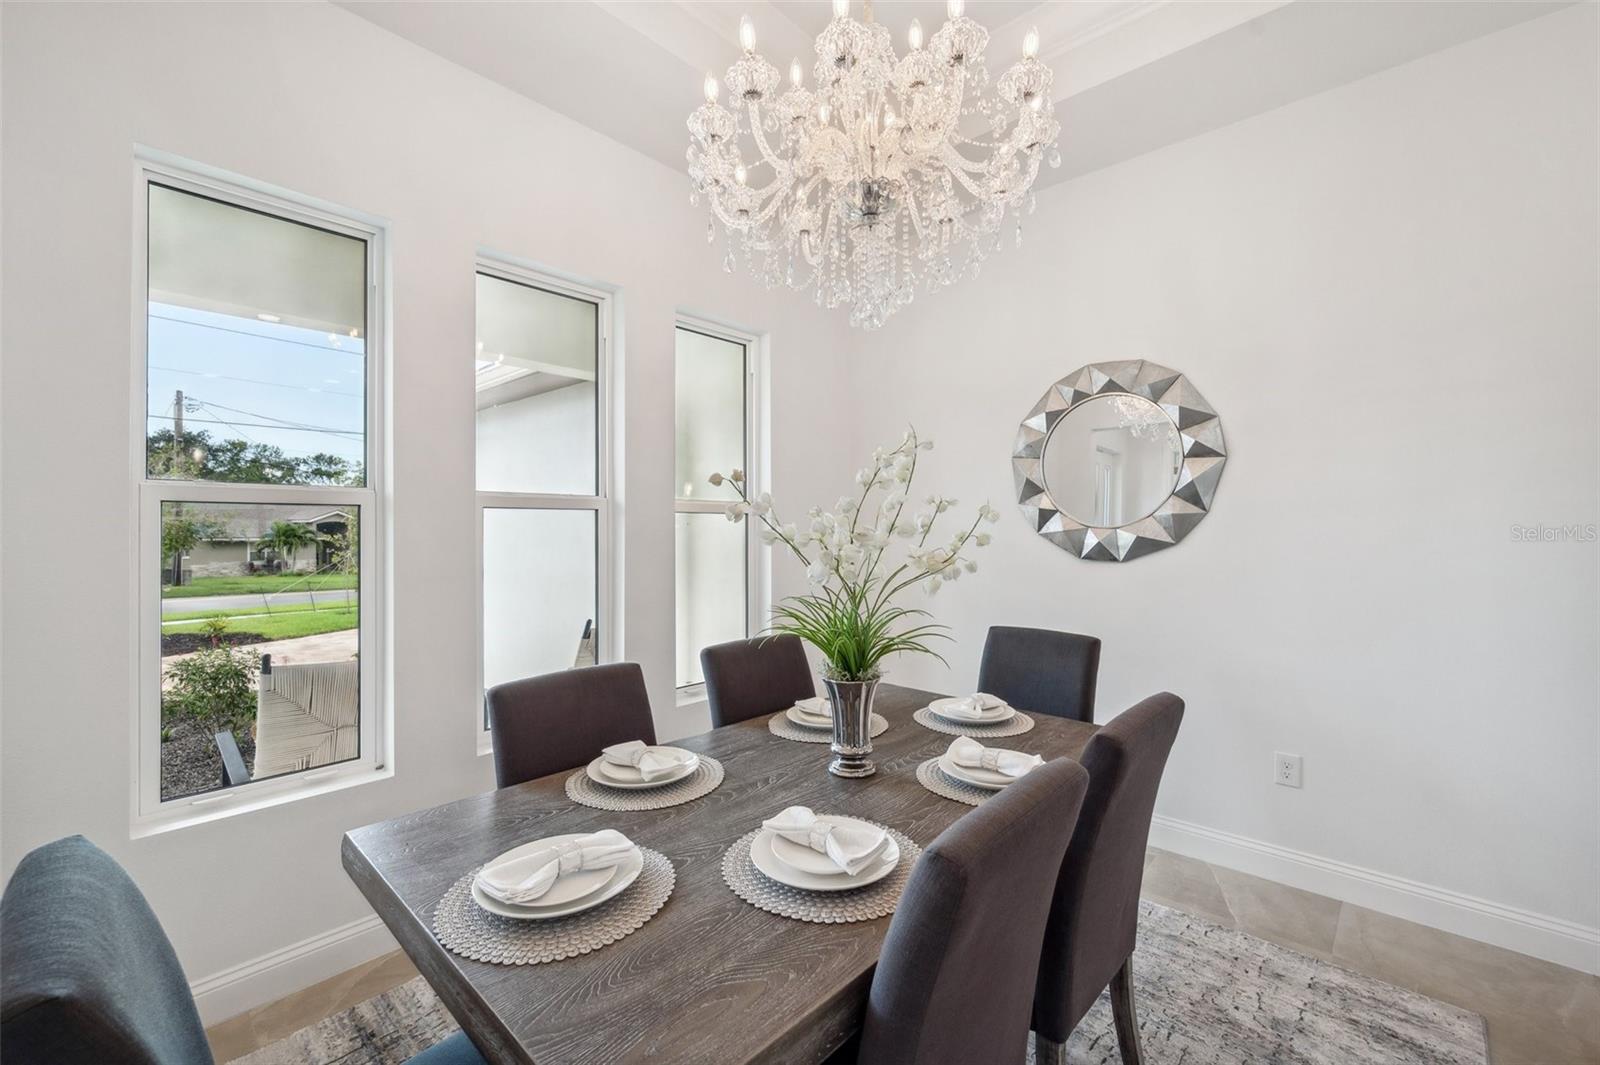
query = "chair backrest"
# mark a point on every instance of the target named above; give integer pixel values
(1094, 919)
(543, 725)
(1041, 670)
(87, 976)
(748, 678)
(955, 977)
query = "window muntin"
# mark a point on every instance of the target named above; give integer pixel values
(540, 363)
(264, 308)
(712, 417)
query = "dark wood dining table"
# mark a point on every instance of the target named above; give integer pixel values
(710, 978)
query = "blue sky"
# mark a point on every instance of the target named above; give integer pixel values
(297, 389)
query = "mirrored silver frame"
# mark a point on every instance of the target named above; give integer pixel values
(1199, 434)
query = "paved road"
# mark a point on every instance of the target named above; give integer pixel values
(234, 604)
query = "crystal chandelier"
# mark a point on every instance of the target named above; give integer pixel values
(892, 173)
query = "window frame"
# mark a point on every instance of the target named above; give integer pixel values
(149, 814)
(756, 583)
(606, 642)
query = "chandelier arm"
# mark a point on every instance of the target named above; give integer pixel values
(772, 159)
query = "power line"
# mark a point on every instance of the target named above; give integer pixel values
(253, 381)
(271, 418)
(259, 336)
(261, 425)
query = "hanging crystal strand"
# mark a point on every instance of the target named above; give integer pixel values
(711, 231)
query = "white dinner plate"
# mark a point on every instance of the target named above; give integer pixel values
(570, 894)
(808, 720)
(626, 776)
(983, 778)
(993, 716)
(761, 853)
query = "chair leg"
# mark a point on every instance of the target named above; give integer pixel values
(1125, 1015)
(1047, 1051)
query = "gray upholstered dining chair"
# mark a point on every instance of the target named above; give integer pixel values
(749, 678)
(542, 725)
(88, 977)
(955, 977)
(1041, 670)
(1094, 919)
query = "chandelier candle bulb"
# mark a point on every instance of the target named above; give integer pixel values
(709, 87)
(796, 74)
(914, 35)
(1030, 43)
(954, 8)
(747, 34)
(841, 8)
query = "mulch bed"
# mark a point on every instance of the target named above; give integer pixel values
(182, 643)
(190, 763)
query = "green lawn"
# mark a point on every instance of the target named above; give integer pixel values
(261, 584)
(284, 624)
(244, 617)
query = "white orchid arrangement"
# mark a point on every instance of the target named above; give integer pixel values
(850, 615)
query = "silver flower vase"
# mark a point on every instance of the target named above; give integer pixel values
(852, 726)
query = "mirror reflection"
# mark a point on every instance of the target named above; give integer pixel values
(1112, 460)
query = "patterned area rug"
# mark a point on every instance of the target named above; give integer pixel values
(1207, 996)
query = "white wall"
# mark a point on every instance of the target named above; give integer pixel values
(1388, 293)
(316, 100)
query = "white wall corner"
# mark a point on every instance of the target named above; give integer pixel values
(1554, 939)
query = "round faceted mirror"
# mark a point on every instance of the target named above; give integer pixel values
(1112, 460)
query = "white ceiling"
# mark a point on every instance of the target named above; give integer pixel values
(1131, 75)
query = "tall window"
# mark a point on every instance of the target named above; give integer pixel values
(259, 524)
(713, 416)
(542, 470)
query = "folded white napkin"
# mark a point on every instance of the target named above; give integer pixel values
(651, 762)
(525, 879)
(966, 751)
(818, 706)
(975, 706)
(852, 847)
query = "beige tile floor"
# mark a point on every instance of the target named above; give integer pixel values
(1537, 1013)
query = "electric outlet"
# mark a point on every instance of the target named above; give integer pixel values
(1286, 769)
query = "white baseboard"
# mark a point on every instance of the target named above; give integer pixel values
(1551, 938)
(289, 969)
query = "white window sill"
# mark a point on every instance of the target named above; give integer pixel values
(186, 814)
(690, 695)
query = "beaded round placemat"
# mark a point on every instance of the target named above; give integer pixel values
(467, 929)
(1015, 725)
(780, 725)
(703, 781)
(930, 776)
(819, 907)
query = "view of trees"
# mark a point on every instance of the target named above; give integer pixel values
(198, 457)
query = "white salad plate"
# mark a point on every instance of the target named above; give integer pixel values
(982, 778)
(992, 716)
(573, 893)
(628, 777)
(766, 859)
(806, 719)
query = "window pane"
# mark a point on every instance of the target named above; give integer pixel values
(539, 591)
(710, 411)
(537, 372)
(711, 588)
(260, 625)
(256, 344)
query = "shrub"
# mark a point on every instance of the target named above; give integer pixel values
(215, 629)
(214, 686)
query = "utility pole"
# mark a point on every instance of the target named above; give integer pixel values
(177, 459)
